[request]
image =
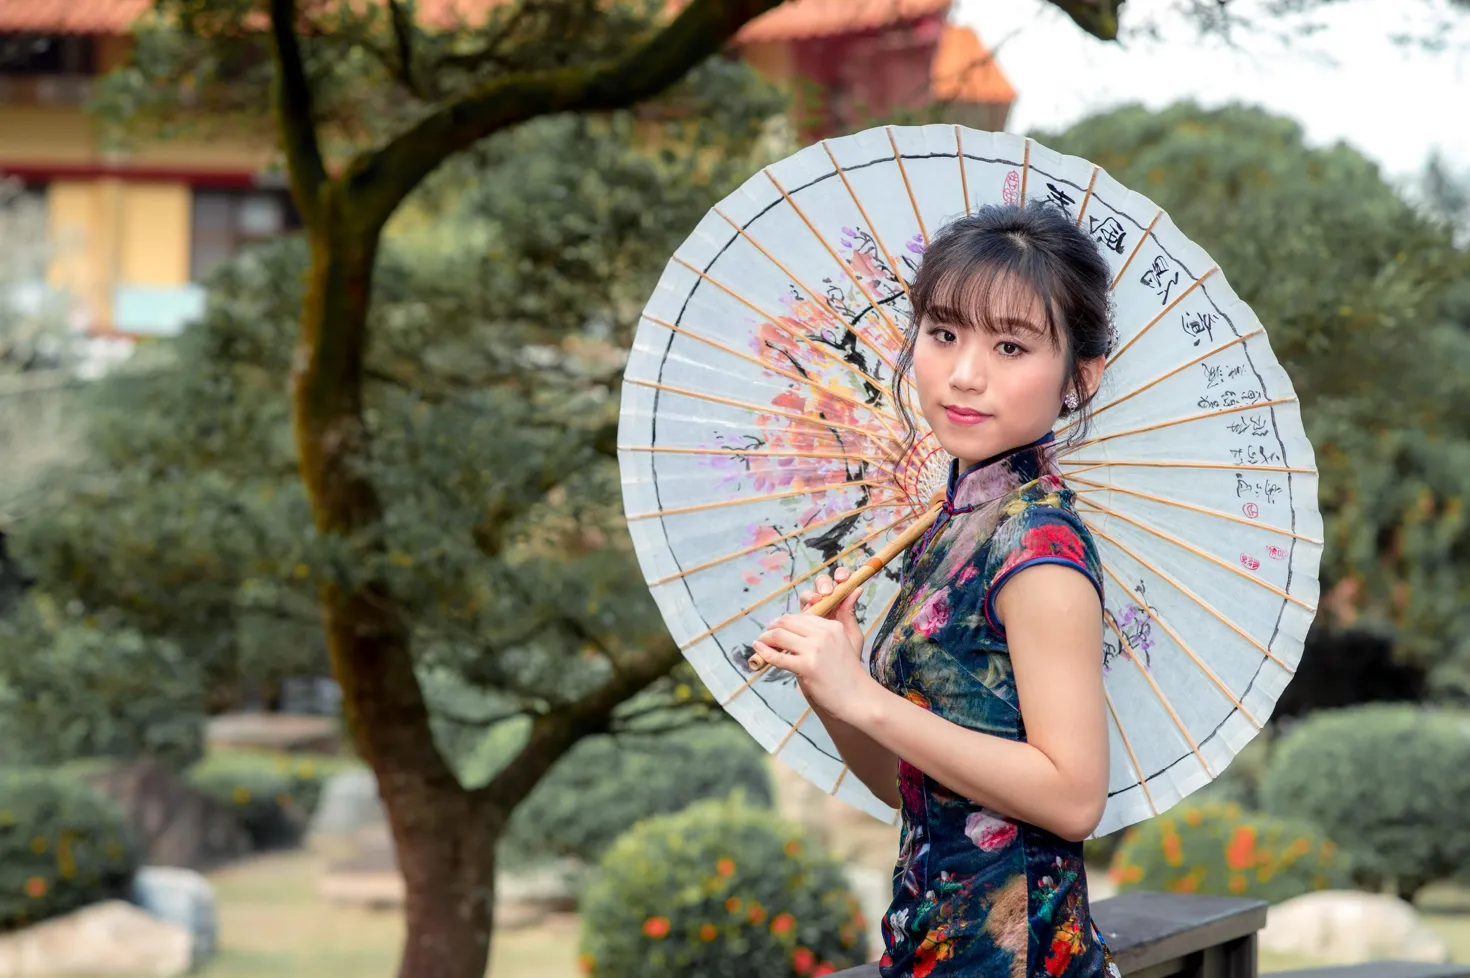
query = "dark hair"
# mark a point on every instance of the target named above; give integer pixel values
(968, 264)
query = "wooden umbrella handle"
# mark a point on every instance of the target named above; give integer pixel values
(866, 570)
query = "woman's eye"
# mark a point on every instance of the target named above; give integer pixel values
(944, 336)
(1008, 349)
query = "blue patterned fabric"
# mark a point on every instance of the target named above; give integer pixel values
(977, 895)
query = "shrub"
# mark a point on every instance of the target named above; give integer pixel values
(273, 794)
(603, 787)
(1221, 850)
(1388, 781)
(719, 890)
(63, 845)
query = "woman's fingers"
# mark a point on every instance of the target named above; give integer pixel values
(842, 574)
(773, 656)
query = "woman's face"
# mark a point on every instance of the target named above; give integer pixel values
(987, 390)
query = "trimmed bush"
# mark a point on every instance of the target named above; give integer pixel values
(63, 845)
(1390, 782)
(719, 890)
(1219, 849)
(604, 787)
(273, 794)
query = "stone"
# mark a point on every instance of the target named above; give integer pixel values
(349, 804)
(1348, 927)
(176, 824)
(182, 897)
(109, 938)
(275, 731)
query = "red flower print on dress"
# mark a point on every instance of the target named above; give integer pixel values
(990, 832)
(933, 616)
(1048, 540)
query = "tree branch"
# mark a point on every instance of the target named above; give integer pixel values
(293, 105)
(554, 733)
(1097, 17)
(403, 38)
(381, 179)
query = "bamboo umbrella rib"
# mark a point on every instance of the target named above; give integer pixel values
(1091, 464)
(877, 306)
(1087, 197)
(776, 321)
(1180, 504)
(1205, 416)
(877, 238)
(797, 280)
(1025, 167)
(705, 507)
(772, 595)
(759, 409)
(786, 737)
(1162, 313)
(1172, 373)
(903, 172)
(959, 142)
(1173, 715)
(883, 416)
(840, 776)
(1183, 545)
(1128, 747)
(1137, 246)
(1182, 589)
(883, 462)
(755, 548)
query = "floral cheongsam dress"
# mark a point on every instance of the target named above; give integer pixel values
(975, 894)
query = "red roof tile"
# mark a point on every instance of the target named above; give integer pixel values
(965, 71)
(70, 16)
(797, 19)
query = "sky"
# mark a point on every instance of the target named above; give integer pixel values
(1346, 82)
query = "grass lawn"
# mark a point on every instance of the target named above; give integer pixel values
(271, 923)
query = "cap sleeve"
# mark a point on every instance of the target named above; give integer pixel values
(1039, 534)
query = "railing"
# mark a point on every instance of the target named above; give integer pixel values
(1163, 935)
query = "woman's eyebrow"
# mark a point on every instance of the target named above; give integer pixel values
(1016, 324)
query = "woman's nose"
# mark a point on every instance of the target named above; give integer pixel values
(968, 371)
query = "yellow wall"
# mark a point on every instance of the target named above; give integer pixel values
(154, 234)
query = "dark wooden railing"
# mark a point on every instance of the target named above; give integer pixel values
(1164, 935)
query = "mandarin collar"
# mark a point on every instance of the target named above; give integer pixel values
(999, 475)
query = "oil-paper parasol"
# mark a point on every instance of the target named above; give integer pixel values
(760, 447)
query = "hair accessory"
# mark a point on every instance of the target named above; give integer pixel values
(1071, 400)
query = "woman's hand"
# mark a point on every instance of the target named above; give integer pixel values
(825, 654)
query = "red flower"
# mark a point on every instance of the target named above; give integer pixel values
(803, 961)
(1051, 540)
(825, 968)
(35, 887)
(782, 923)
(656, 927)
(757, 913)
(725, 867)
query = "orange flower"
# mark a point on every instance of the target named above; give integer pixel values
(35, 887)
(1237, 883)
(1193, 817)
(708, 932)
(783, 923)
(586, 963)
(803, 961)
(757, 913)
(656, 927)
(725, 867)
(733, 904)
(793, 848)
(1240, 852)
(1173, 847)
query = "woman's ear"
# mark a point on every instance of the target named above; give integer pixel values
(1092, 372)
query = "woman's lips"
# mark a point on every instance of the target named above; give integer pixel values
(961, 415)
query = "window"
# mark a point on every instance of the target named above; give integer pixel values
(43, 54)
(225, 221)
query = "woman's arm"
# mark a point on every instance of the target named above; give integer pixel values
(873, 764)
(1057, 779)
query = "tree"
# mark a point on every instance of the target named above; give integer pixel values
(1356, 289)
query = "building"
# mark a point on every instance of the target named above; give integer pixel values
(133, 235)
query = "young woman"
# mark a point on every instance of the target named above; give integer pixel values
(982, 717)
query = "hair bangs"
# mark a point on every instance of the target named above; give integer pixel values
(994, 294)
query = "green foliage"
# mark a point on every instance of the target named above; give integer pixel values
(1388, 782)
(720, 889)
(603, 786)
(1355, 286)
(262, 791)
(63, 845)
(1219, 849)
(71, 687)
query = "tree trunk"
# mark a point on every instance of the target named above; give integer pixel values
(444, 841)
